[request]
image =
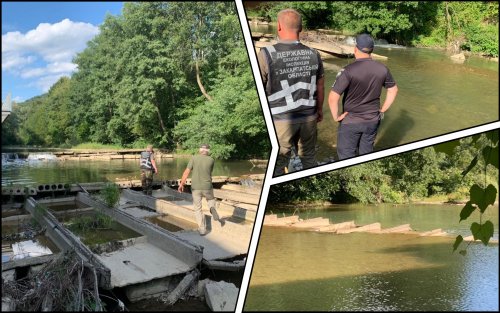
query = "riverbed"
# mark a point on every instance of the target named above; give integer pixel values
(436, 96)
(302, 270)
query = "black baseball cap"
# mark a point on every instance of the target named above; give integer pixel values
(364, 43)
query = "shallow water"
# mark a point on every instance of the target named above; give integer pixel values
(301, 270)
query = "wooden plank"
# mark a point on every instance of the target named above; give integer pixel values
(313, 222)
(333, 228)
(236, 196)
(369, 227)
(240, 188)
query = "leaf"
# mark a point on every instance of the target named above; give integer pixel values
(458, 241)
(466, 211)
(482, 232)
(470, 167)
(490, 155)
(483, 197)
(447, 147)
(492, 136)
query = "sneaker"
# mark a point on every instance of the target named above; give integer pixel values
(214, 213)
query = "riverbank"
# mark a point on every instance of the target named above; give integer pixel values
(322, 35)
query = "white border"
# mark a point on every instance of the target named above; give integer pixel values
(269, 180)
(271, 162)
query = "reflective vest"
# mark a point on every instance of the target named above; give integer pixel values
(146, 160)
(291, 89)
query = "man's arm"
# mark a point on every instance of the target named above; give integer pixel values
(389, 98)
(183, 179)
(333, 102)
(320, 88)
(153, 162)
(262, 60)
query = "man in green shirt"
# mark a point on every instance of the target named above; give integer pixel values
(202, 166)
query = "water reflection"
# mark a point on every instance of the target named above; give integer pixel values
(100, 171)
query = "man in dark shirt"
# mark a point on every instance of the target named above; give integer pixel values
(293, 76)
(361, 83)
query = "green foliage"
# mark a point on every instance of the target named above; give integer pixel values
(471, 24)
(110, 194)
(405, 177)
(140, 80)
(97, 146)
(89, 222)
(481, 198)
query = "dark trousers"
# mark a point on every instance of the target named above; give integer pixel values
(147, 182)
(303, 136)
(356, 136)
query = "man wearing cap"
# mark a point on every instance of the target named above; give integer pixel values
(293, 77)
(148, 168)
(361, 84)
(202, 166)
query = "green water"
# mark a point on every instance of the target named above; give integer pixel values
(436, 96)
(301, 270)
(89, 236)
(34, 173)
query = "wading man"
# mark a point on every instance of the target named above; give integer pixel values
(201, 166)
(292, 74)
(148, 168)
(361, 84)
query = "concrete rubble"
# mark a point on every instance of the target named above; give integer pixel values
(221, 296)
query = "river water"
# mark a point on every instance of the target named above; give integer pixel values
(302, 270)
(26, 173)
(436, 96)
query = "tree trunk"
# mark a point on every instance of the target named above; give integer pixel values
(164, 130)
(449, 34)
(198, 79)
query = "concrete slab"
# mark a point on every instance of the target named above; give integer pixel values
(217, 245)
(221, 296)
(9, 275)
(138, 212)
(131, 266)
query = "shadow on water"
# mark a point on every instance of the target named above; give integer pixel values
(392, 134)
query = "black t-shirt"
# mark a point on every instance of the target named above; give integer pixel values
(361, 83)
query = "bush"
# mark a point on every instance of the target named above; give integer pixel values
(110, 194)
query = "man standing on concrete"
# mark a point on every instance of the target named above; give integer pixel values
(361, 83)
(293, 77)
(148, 168)
(202, 166)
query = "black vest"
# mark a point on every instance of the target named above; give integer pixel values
(146, 160)
(291, 88)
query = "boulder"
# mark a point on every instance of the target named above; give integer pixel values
(221, 296)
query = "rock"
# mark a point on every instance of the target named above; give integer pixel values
(221, 296)
(458, 57)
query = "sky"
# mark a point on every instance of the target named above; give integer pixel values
(40, 40)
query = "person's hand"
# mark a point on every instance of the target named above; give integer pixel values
(320, 116)
(156, 171)
(341, 117)
(181, 188)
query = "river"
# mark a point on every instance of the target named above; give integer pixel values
(45, 172)
(436, 96)
(302, 270)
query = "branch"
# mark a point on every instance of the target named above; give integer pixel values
(198, 79)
